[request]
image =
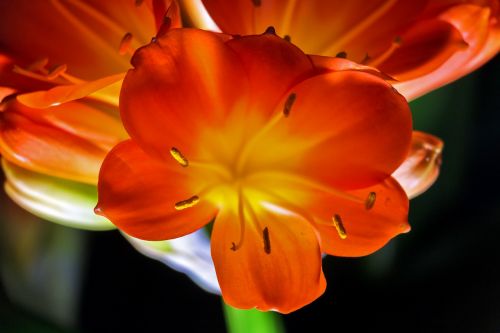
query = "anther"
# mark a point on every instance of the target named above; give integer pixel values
(54, 73)
(337, 222)
(267, 241)
(289, 103)
(125, 43)
(177, 155)
(138, 2)
(257, 3)
(287, 38)
(270, 30)
(370, 200)
(398, 40)
(342, 55)
(233, 246)
(188, 203)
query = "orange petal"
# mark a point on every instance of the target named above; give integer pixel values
(367, 230)
(46, 149)
(84, 35)
(423, 49)
(273, 66)
(359, 27)
(285, 278)
(480, 28)
(421, 168)
(66, 93)
(187, 80)
(358, 128)
(139, 194)
(98, 123)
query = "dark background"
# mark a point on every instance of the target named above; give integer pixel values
(441, 277)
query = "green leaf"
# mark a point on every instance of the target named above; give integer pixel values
(250, 321)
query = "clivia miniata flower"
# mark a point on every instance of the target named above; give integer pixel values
(424, 44)
(288, 156)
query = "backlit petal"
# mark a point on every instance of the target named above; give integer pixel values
(75, 33)
(139, 194)
(357, 128)
(66, 93)
(186, 80)
(188, 254)
(273, 66)
(285, 279)
(46, 149)
(480, 28)
(367, 230)
(421, 168)
(55, 199)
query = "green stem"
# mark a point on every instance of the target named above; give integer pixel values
(250, 321)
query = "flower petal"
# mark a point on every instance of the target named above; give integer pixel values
(46, 149)
(189, 254)
(75, 33)
(65, 202)
(367, 230)
(184, 81)
(480, 28)
(66, 93)
(98, 123)
(358, 128)
(423, 48)
(279, 280)
(273, 66)
(139, 194)
(421, 168)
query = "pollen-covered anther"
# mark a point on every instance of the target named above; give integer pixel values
(342, 55)
(337, 222)
(177, 155)
(289, 103)
(370, 200)
(267, 240)
(125, 44)
(270, 31)
(188, 203)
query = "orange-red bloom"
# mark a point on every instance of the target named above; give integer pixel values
(423, 44)
(292, 157)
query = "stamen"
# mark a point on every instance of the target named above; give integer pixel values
(337, 222)
(287, 38)
(38, 65)
(188, 203)
(396, 43)
(241, 215)
(177, 155)
(257, 3)
(59, 70)
(270, 30)
(289, 103)
(125, 44)
(342, 55)
(267, 241)
(138, 2)
(370, 201)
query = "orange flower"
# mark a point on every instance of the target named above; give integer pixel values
(292, 159)
(61, 68)
(423, 44)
